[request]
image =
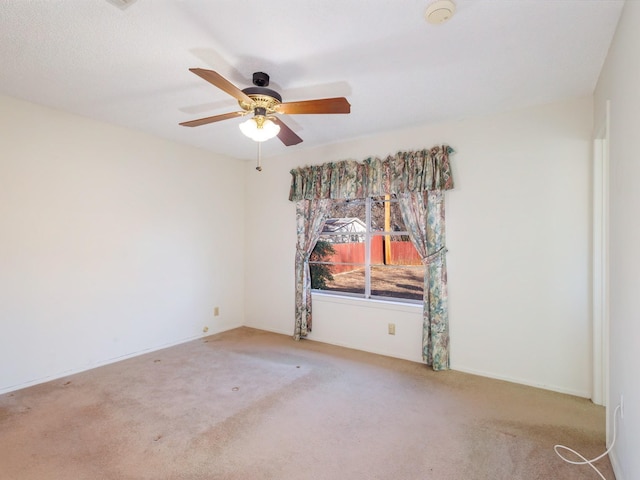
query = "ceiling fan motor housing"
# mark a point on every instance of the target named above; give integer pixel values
(262, 91)
(260, 79)
(263, 98)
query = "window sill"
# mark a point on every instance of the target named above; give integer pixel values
(367, 302)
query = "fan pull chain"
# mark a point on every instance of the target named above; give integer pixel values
(259, 167)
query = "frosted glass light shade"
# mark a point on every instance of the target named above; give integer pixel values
(259, 133)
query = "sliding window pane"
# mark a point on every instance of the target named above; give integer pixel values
(397, 282)
(347, 279)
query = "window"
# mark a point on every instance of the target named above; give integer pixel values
(364, 250)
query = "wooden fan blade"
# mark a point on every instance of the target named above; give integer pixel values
(322, 105)
(222, 83)
(286, 135)
(215, 118)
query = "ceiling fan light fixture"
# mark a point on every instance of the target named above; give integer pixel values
(259, 128)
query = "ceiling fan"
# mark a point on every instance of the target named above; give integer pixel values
(264, 103)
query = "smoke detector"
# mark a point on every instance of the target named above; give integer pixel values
(122, 4)
(440, 11)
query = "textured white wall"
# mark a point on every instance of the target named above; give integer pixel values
(111, 243)
(518, 230)
(619, 83)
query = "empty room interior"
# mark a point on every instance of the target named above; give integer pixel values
(180, 181)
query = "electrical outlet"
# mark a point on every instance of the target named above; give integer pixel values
(621, 406)
(392, 329)
(216, 311)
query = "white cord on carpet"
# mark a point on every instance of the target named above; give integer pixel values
(584, 461)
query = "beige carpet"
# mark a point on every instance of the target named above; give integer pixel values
(247, 404)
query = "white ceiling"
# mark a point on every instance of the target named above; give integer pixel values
(130, 66)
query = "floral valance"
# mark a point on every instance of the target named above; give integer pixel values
(404, 172)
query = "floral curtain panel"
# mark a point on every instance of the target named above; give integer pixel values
(418, 178)
(423, 215)
(310, 218)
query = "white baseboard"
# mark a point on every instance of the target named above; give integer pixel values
(315, 338)
(553, 388)
(109, 361)
(544, 386)
(289, 333)
(368, 350)
(615, 464)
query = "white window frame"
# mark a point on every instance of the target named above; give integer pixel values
(368, 235)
